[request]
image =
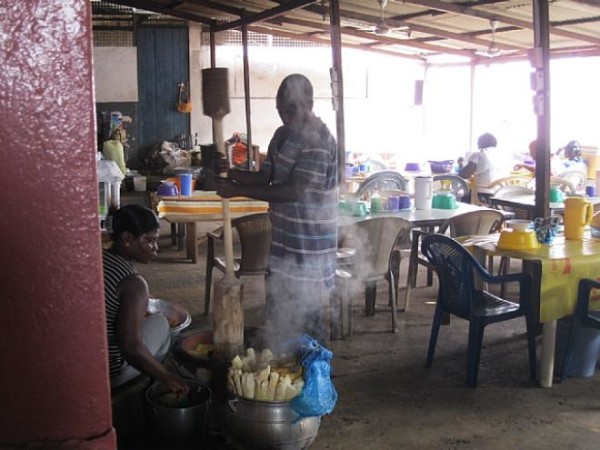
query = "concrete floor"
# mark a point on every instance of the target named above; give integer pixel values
(388, 399)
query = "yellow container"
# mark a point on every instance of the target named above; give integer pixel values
(517, 240)
(592, 158)
(578, 214)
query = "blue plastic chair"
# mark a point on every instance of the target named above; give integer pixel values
(581, 318)
(459, 295)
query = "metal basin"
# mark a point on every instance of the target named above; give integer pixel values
(257, 425)
(179, 318)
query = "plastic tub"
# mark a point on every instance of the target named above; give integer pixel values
(585, 348)
(441, 166)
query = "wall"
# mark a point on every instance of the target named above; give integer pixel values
(54, 379)
(379, 94)
(115, 74)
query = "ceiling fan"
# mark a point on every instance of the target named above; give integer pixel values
(493, 50)
(382, 28)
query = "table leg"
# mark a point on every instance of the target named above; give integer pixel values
(180, 236)
(547, 356)
(190, 241)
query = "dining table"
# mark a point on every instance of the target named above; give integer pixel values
(526, 203)
(556, 269)
(202, 206)
(424, 218)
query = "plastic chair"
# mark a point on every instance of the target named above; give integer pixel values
(459, 186)
(481, 194)
(581, 318)
(564, 185)
(378, 243)
(472, 223)
(459, 295)
(254, 232)
(387, 179)
(506, 192)
(577, 178)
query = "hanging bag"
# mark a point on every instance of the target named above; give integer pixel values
(184, 104)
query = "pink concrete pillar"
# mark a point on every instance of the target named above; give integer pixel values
(54, 380)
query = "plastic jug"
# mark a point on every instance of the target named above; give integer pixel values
(578, 214)
(423, 192)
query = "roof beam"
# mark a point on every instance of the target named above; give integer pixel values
(217, 6)
(262, 29)
(266, 14)
(457, 8)
(148, 5)
(382, 38)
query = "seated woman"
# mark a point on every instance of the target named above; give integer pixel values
(487, 164)
(572, 167)
(136, 343)
(572, 160)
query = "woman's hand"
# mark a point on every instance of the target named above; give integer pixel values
(176, 384)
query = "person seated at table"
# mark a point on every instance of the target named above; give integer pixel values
(137, 342)
(572, 160)
(487, 165)
(531, 164)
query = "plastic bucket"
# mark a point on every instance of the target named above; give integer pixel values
(585, 348)
(139, 184)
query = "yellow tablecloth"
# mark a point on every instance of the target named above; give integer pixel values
(207, 203)
(564, 263)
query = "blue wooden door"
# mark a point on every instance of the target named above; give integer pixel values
(163, 63)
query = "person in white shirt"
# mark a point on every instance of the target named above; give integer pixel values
(487, 164)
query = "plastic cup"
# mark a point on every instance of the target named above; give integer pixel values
(186, 183)
(556, 195)
(590, 191)
(404, 202)
(375, 204)
(394, 203)
(139, 184)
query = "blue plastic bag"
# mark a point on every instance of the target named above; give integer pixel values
(318, 396)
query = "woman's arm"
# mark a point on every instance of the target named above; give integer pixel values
(468, 170)
(527, 167)
(133, 294)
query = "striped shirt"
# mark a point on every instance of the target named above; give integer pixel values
(304, 232)
(116, 268)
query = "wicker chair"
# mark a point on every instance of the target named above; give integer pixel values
(254, 232)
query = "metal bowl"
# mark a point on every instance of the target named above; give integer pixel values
(179, 318)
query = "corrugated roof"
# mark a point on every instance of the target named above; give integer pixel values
(417, 29)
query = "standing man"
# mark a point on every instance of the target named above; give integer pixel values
(299, 180)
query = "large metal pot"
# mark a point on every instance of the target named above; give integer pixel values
(178, 422)
(258, 425)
